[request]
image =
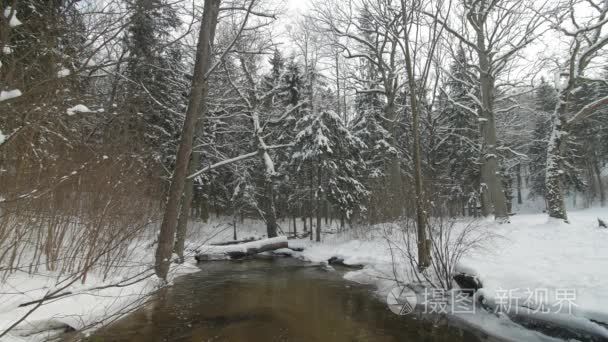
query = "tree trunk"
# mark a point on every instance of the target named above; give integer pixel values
(184, 215)
(519, 185)
(241, 250)
(553, 182)
(493, 196)
(600, 184)
(271, 219)
(319, 201)
(196, 103)
(182, 222)
(312, 182)
(326, 211)
(234, 218)
(424, 254)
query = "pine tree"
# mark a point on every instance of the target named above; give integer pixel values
(459, 148)
(545, 102)
(333, 151)
(154, 96)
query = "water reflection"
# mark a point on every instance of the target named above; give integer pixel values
(271, 300)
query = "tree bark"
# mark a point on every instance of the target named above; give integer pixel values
(319, 201)
(196, 102)
(600, 183)
(424, 255)
(553, 177)
(271, 219)
(493, 196)
(184, 215)
(312, 182)
(519, 185)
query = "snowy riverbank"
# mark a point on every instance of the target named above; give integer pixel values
(532, 262)
(100, 300)
(534, 265)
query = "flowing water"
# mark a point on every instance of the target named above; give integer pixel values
(278, 299)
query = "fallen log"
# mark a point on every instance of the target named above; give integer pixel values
(300, 236)
(241, 250)
(235, 242)
(334, 260)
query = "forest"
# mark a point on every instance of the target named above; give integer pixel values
(133, 132)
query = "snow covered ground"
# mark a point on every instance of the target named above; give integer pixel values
(556, 269)
(87, 306)
(98, 301)
(533, 261)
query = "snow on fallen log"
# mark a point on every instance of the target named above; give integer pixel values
(235, 242)
(242, 250)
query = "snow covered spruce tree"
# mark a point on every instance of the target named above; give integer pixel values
(291, 98)
(377, 154)
(259, 101)
(586, 151)
(459, 148)
(154, 86)
(323, 142)
(372, 36)
(544, 104)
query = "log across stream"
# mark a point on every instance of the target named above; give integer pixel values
(240, 249)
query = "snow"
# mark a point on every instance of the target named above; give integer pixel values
(220, 252)
(538, 253)
(9, 94)
(78, 109)
(87, 307)
(13, 22)
(63, 73)
(7, 50)
(530, 255)
(2, 138)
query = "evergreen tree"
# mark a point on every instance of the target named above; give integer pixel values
(324, 142)
(459, 148)
(545, 102)
(155, 95)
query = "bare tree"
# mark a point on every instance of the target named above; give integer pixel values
(196, 104)
(497, 31)
(371, 30)
(586, 40)
(417, 83)
(186, 203)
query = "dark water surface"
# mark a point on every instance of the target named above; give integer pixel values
(271, 300)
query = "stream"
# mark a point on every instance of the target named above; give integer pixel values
(272, 299)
